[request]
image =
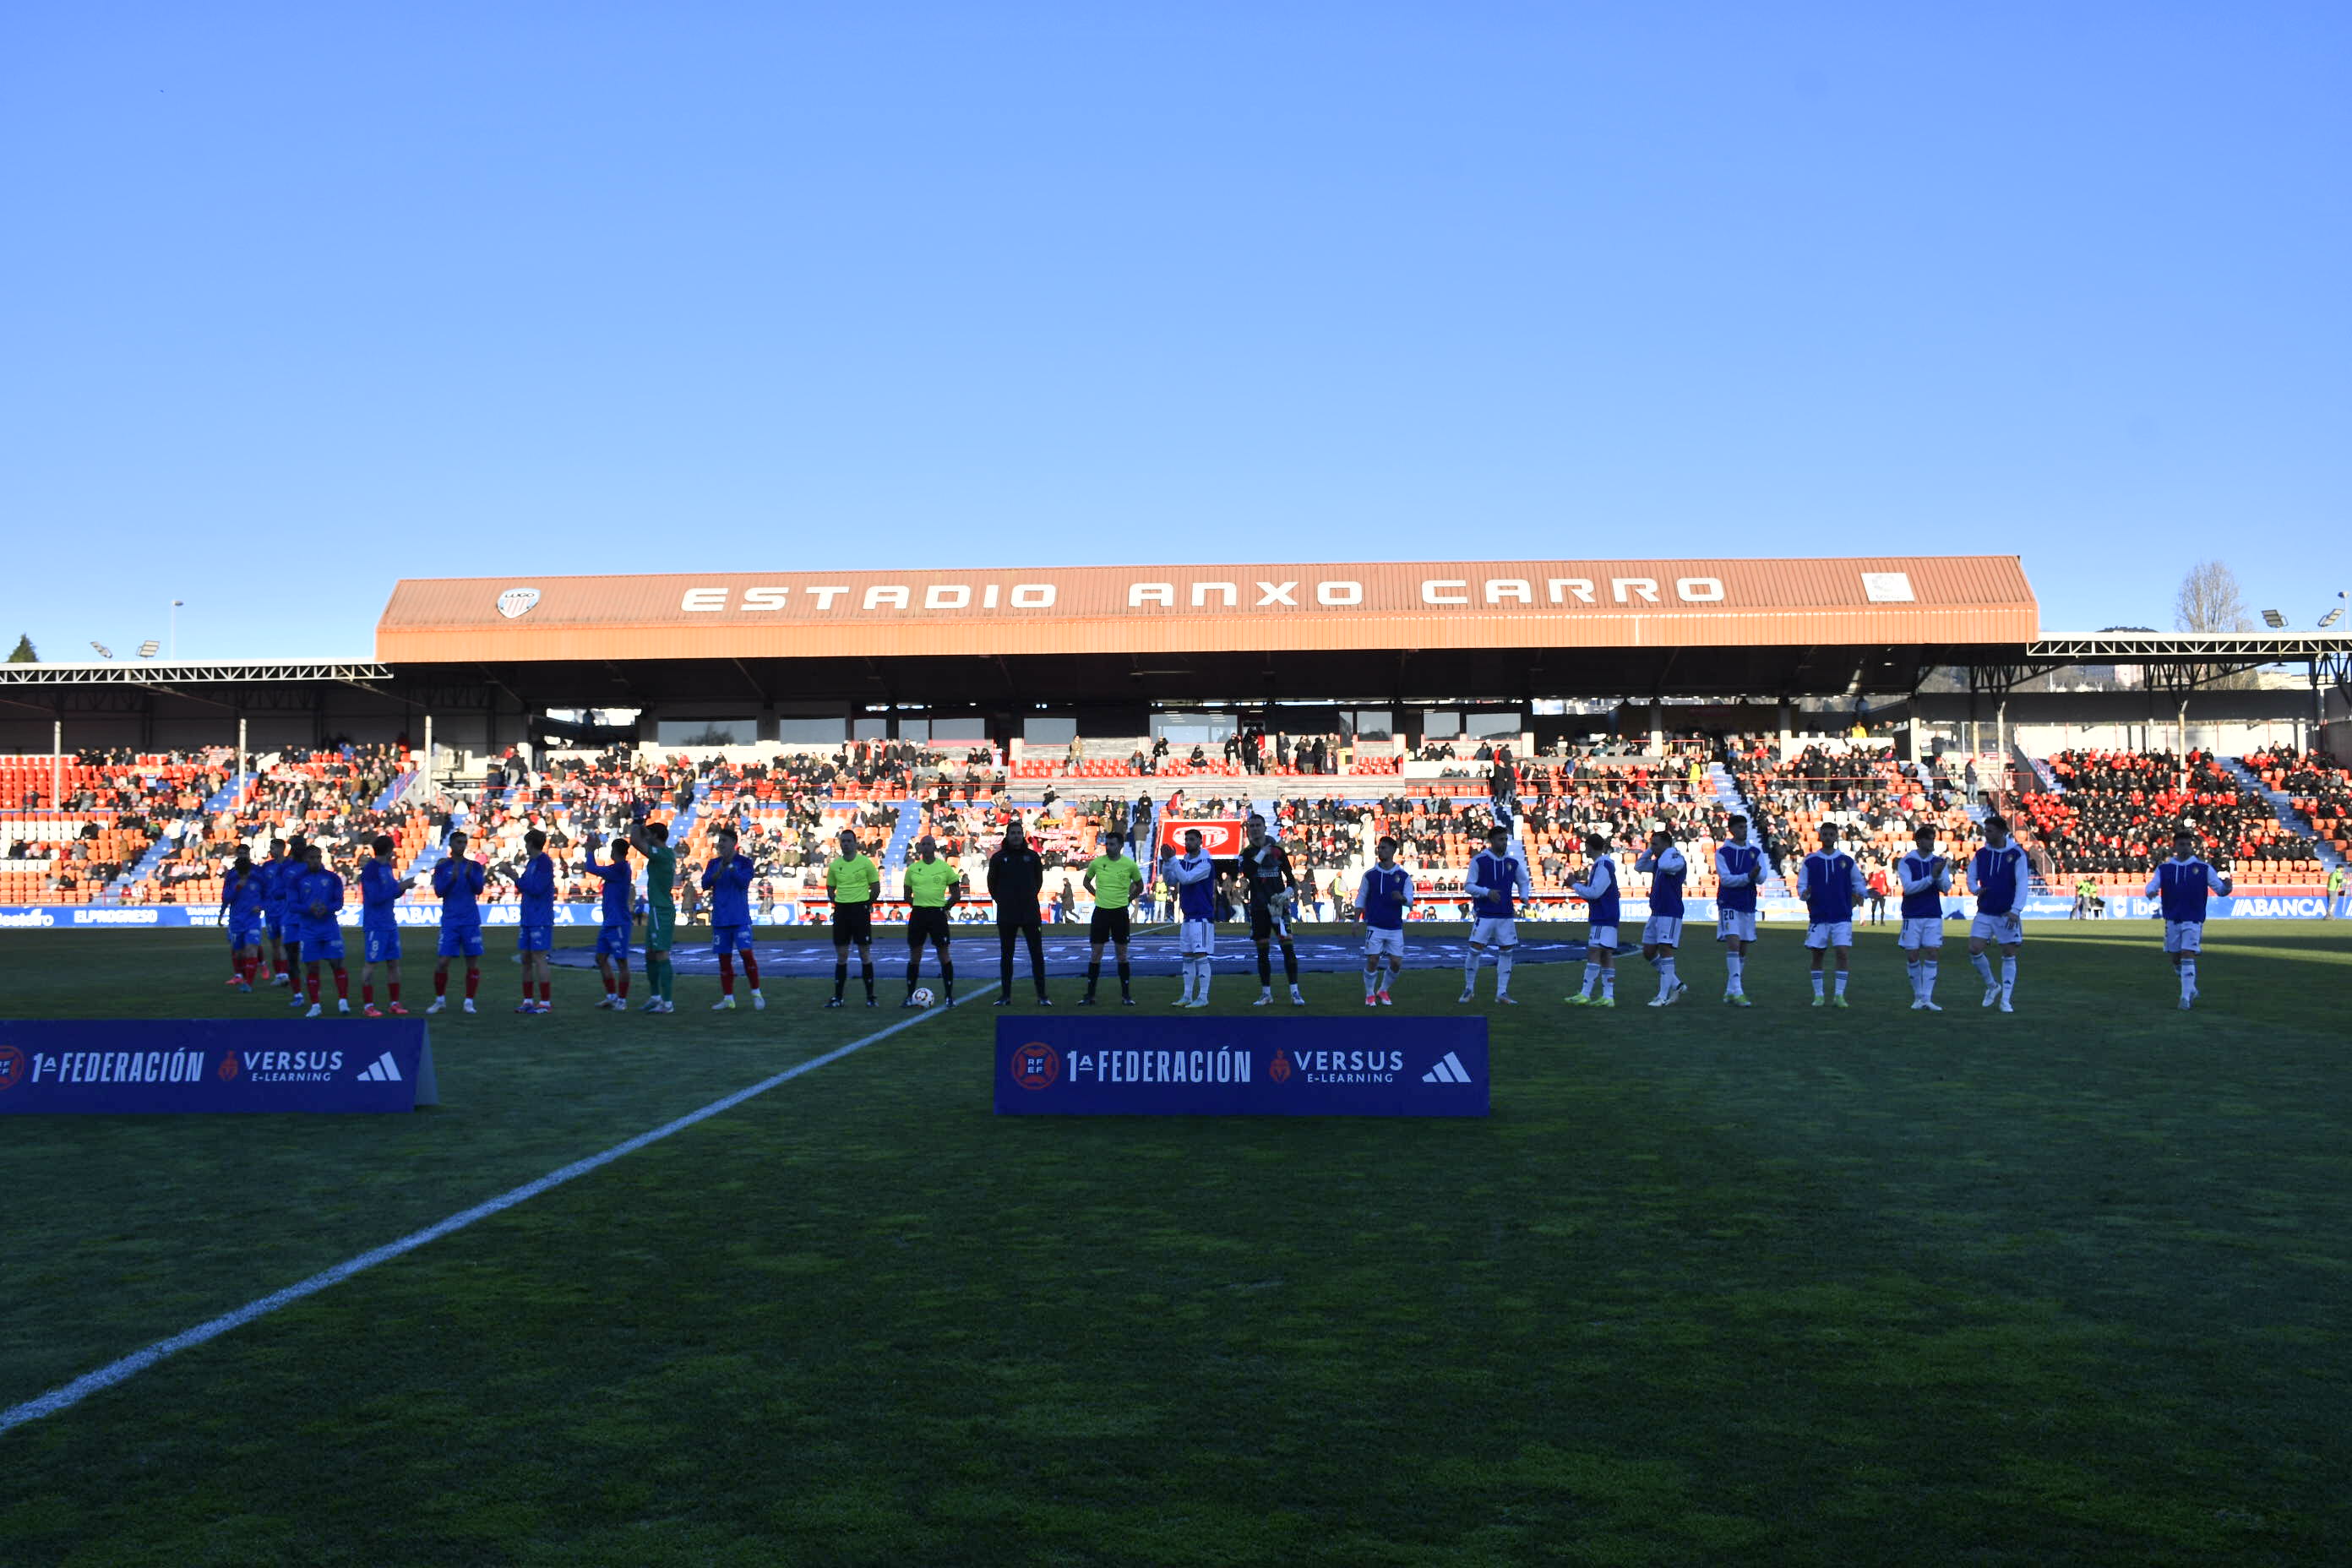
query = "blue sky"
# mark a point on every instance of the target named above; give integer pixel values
(300, 300)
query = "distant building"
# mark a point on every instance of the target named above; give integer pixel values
(2125, 675)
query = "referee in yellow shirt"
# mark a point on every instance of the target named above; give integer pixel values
(851, 880)
(1114, 881)
(933, 886)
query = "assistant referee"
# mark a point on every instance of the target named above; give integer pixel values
(1115, 881)
(851, 880)
(932, 888)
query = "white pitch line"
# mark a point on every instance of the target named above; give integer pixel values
(71, 1393)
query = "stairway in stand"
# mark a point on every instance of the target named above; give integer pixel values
(2281, 808)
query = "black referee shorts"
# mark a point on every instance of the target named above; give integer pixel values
(1107, 925)
(852, 923)
(927, 924)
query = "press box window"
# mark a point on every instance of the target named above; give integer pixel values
(713, 732)
(1047, 730)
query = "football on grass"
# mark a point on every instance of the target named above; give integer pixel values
(922, 996)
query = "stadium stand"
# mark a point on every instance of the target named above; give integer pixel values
(2317, 791)
(1251, 754)
(2119, 810)
(117, 810)
(339, 799)
(159, 828)
(1876, 802)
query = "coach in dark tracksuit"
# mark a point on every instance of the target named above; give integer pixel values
(1016, 876)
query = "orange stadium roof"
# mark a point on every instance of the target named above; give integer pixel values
(1948, 602)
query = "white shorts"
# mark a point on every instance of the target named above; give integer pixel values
(1663, 930)
(1601, 936)
(1918, 931)
(1380, 942)
(1735, 925)
(1487, 931)
(1197, 938)
(1839, 933)
(2007, 930)
(2184, 936)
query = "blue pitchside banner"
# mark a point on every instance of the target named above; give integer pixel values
(1059, 1065)
(116, 1069)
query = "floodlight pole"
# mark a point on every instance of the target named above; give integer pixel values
(2001, 743)
(57, 764)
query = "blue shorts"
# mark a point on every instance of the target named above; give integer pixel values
(730, 939)
(323, 944)
(461, 941)
(244, 933)
(382, 944)
(534, 939)
(274, 926)
(613, 942)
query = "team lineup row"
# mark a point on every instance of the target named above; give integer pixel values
(283, 913)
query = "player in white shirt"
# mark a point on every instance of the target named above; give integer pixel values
(1925, 877)
(1600, 890)
(1497, 878)
(1829, 884)
(2183, 883)
(1662, 934)
(1382, 896)
(1998, 876)
(1740, 870)
(1194, 876)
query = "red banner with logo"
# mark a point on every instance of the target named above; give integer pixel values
(1221, 838)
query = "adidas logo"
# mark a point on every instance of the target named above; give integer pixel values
(1449, 1070)
(386, 1070)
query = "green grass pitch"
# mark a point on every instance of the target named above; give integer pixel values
(1709, 1286)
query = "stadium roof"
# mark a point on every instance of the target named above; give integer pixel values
(1950, 603)
(1434, 634)
(191, 672)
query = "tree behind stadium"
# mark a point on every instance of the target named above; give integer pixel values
(2208, 600)
(25, 654)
